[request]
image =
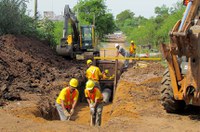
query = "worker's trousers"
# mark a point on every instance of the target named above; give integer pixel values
(96, 114)
(133, 56)
(61, 112)
(126, 62)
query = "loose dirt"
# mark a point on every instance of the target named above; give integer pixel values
(32, 76)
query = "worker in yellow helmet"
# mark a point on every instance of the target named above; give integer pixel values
(93, 73)
(132, 50)
(95, 101)
(105, 74)
(67, 100)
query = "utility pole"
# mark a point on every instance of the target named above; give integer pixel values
(35, 10)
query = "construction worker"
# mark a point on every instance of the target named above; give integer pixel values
(93, 73)
(67, 100)
(105, 74)
(95, 101)
(132, 50)
(124, 53)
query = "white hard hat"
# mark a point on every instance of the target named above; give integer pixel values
(116, 45)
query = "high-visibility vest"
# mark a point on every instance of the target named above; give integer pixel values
(132, 49)
(92, 73)
(104, 76)
(92, 95)
(69, 98)
(93, 77)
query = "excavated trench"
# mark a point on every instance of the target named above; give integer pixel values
(37, 70)
(46, 108)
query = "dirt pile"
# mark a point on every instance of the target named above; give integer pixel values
(137, 86)
(29, 66)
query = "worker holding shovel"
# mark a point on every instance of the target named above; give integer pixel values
(95, 101)
(67, 100)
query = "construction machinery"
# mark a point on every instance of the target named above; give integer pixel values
(77, 42)
(181, 80)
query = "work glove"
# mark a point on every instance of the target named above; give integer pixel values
(66, 113)
(71, 112)
(92, 111)
(91, 105)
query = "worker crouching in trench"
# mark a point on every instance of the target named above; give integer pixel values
(67, 100)
(95, 101)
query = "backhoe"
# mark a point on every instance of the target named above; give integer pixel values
(181, 80)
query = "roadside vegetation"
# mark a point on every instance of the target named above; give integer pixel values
(154, 30)
(142, 30)
(14, 20)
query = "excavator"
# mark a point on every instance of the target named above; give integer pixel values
(181, 80)
(77, 42)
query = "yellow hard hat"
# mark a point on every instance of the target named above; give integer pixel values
(90, 85)
(106, 71)
(89, 61)
(73, 82)
(132, 41)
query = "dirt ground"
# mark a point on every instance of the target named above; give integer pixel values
(32, 76)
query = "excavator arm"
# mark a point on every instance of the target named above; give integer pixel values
(69, 17)
(80, 41)
(70, 41)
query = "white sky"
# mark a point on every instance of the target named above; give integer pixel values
(139, 7)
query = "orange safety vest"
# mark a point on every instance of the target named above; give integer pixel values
(69, 98)
(93, 74)
(92, 95)
(104, 76)
(93, 71)
(132, 49)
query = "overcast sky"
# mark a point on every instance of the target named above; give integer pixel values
(139, 7)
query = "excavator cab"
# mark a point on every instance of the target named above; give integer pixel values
(87, 37)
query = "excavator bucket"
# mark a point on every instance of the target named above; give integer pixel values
(64, 49)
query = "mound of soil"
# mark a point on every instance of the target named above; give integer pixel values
(30, 66)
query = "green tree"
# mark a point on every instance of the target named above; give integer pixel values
(45, 29)
(13, 19)
(125, 18)
(154, 30)
(95, 12)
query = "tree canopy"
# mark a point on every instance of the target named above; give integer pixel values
(154, 30)
(95, 12)
(14, 20)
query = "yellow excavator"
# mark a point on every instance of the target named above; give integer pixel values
(181, 80)
(77, 42)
